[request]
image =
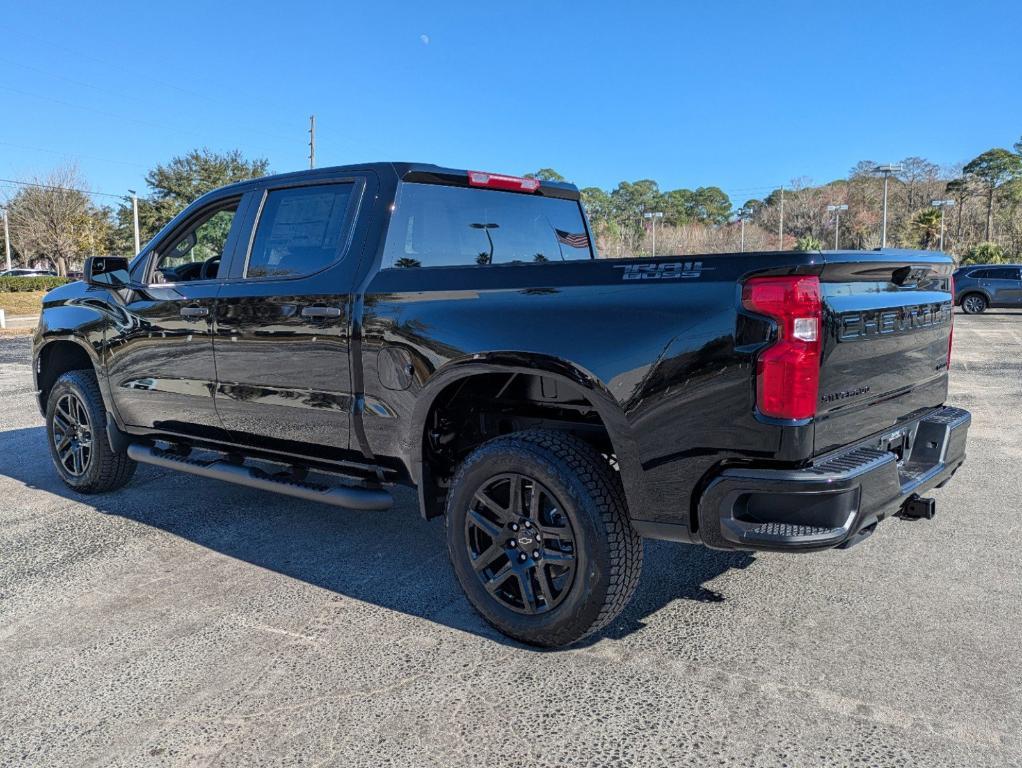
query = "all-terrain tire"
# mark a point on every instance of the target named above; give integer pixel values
(76, 417)
(606, 549)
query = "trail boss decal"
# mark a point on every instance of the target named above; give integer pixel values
(670, 271)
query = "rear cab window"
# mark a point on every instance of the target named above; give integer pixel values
(300, 230)
(443, 226)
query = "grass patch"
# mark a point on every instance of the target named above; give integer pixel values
(22, 302)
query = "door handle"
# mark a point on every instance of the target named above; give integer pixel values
(321, 312)
(194, 311)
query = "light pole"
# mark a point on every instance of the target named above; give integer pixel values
(742, 214)
(134, 215)
(837, 220)
(942, 204)
(653, 216)
(886, 170)
(7, 241)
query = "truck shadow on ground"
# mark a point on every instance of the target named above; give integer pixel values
(392, 559)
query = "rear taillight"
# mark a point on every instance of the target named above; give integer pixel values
(500, 181)
(788, 371)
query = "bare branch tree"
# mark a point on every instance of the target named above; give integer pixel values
(53, 219)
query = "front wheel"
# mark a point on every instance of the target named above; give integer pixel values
(76, 428)
(538, 533)
(974, 304)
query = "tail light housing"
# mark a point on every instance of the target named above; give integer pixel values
(788, 371)
(501, 181)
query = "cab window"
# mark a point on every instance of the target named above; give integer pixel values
(196, 253)
(300, 230)
(443, 226)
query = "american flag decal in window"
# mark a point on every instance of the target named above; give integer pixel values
(579, 240)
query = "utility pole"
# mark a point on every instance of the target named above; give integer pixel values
(780, 225)
(942, 204)
(7, 240)
(653, 216)
(312, 141)
(837, 220)
(886, 170)
(134, 215)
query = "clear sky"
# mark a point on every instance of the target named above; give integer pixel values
(743, 95)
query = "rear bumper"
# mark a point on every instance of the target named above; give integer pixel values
(837, 501)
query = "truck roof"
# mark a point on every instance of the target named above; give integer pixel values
(405, 171)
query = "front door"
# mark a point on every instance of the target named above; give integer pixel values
(282, 322)
(160, 348)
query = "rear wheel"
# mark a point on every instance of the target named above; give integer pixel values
(76, 427)
(974, 304)
(538, 533)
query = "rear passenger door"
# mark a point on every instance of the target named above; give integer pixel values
(1002, 283)
(282, 321)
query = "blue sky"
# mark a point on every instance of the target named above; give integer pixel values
(744, 95)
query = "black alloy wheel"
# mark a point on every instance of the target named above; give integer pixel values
(72, 434)
(76, 424)
(539, 536)
(521, 543)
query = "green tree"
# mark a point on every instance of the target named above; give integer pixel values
(597, 205)
(677, 206)
(545, 174)
(984, 253)
(710, 205)
(992, 170)
(630, 200)
(925, 228)
(175, 185)
(808, 243)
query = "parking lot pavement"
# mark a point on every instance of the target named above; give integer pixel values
(197, 623)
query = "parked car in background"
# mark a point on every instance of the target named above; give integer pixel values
(981, 286)
(26, 272)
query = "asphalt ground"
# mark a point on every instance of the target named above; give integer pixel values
(180, 622)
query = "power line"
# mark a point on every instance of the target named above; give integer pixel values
(59, 188)
(70, 155)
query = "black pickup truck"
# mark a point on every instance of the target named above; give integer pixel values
(330, 333)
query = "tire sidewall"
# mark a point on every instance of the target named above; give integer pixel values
(581, 606)
(71, 383)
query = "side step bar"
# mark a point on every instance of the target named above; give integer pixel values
(346, 496)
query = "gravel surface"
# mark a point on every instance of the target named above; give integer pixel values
(181, 622)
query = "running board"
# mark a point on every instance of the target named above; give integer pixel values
(346, 496)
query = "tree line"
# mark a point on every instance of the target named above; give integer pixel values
(982, 221)
(54, 219)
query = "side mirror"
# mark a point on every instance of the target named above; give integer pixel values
(107, 271)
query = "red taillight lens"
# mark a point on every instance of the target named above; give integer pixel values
(500, 181)
(788, 371)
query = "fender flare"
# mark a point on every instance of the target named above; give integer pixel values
(575, 377)
(55, 328)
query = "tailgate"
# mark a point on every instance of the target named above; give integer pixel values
(887, 321)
